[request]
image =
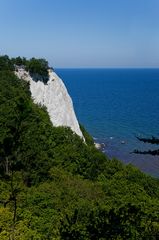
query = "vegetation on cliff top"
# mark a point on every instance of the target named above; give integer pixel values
(54, 186)
(38, 68)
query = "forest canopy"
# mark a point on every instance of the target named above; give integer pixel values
(55, 186)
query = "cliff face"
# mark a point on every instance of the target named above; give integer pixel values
(55, 97)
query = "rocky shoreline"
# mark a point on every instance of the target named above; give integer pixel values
(100, 146)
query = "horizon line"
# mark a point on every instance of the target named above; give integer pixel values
(148, 67)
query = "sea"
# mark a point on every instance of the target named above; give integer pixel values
(116, 106)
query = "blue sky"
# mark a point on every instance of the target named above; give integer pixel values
(82, 33)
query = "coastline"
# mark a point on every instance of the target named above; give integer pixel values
(114, 148)
(116, 105)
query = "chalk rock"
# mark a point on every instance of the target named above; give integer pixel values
(55, 98)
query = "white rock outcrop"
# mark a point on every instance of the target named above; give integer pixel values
(55, 98)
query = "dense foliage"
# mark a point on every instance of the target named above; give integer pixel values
(6, 63)
(55, 186)
(38, 68)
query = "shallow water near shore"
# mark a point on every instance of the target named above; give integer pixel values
(115, 105)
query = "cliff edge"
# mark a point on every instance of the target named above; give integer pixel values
(54, 96)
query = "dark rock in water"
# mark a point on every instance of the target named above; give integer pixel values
(102, 145)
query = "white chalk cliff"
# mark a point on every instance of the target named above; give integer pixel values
(55, 98)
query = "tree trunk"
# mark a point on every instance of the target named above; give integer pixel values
(7, 166)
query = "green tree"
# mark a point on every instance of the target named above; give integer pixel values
(38, 69)
(6, 64)
(19, 61)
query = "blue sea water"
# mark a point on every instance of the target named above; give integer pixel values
(115, 105)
